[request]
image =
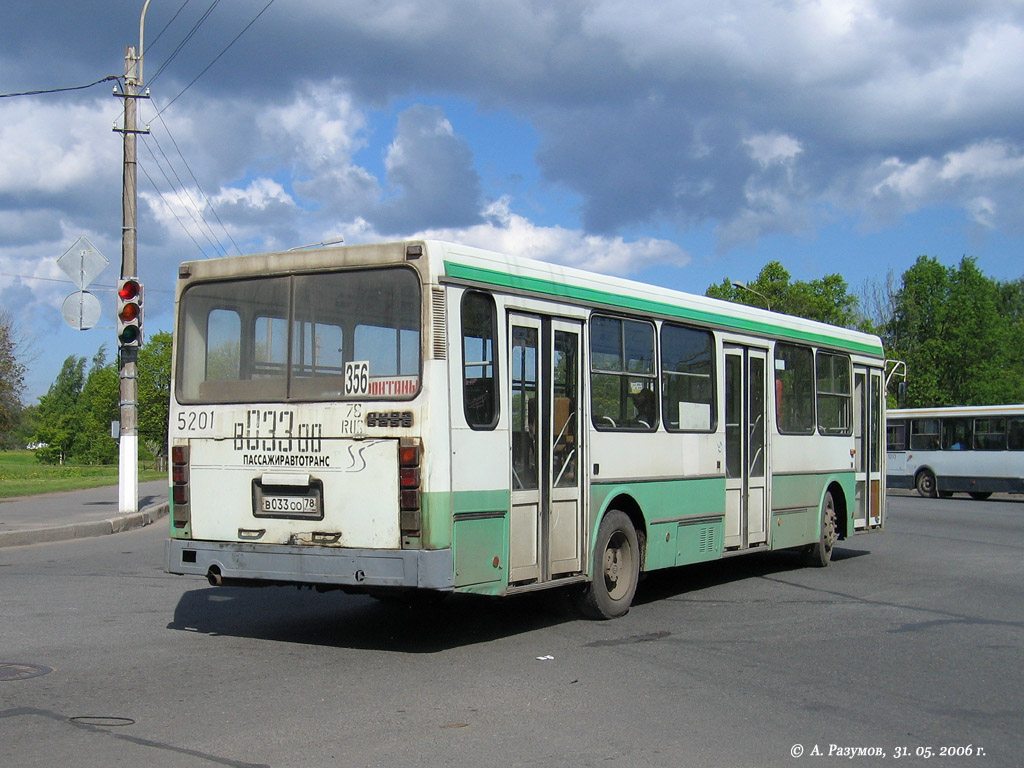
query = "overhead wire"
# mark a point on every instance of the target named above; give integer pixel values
(91, 286)
(199, 186)
(184, 41)
(60, 90)
(193, 207)
(171, 209)
(164, 29)
(217, 57)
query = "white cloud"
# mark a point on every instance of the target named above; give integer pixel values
(259, 195)
(53, 149)
(320, 122)
(983, 178)
(508, 232)
(984, 161)
(773, 148)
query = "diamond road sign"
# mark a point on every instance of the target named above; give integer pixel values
(82, 262)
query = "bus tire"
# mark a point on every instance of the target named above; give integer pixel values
(819, 554)
(980, 495)
(925, 483)
(616, 568)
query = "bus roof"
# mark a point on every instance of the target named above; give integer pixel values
(476, 266)
(956, 410)
(450, 262)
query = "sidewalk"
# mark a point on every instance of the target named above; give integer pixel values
(77, 514)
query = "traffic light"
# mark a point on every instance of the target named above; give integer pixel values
(129, 313)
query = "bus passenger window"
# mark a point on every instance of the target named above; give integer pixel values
(479, 393)
(687, 379)
(956, 434)
(896, 436)
(623, 381)
(990, 434)
(924, 435)
(1015, 434)
(835, 404)
(794, 389)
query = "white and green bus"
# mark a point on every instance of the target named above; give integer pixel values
(422, 416)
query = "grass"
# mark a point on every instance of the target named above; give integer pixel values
(22, 475)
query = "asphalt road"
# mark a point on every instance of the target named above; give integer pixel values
(910, 641)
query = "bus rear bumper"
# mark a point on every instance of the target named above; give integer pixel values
(244, 563)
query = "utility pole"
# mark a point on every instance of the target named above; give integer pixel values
(128, 445)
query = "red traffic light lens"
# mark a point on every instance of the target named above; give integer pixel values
(129, 290)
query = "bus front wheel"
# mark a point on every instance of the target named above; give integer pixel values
(925, 483)
(980, 495)
(616, 568)
(819, 554)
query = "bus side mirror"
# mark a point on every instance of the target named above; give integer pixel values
(901, 394)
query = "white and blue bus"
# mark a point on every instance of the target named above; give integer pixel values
(420, 415)
(978, 450)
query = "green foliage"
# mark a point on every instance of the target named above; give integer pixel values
(827, 299)
(12, 380)
(960, 334)
(99, 405)
(155, 392)
(59, 418)
(74, 416)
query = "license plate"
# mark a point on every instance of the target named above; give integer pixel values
(305, 502)
(290, 505)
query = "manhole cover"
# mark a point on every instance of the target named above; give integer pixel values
(102, 721)
(9, 671)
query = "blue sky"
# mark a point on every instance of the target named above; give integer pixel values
(676, 143)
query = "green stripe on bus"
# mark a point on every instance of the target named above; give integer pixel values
(659, 499)
(594, 296)
(481, 501)
(806, 489)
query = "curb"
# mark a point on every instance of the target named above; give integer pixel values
(119, 524)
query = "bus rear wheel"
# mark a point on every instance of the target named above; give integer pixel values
(925, 483)
(616, 568)
(980, 495)
(819, 554)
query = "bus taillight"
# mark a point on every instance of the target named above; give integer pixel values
(410, 452)
(179, 487)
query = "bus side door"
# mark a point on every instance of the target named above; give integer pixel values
(746, 447)
(868, 429)
(545, 530)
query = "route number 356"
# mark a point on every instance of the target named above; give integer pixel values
(357, 378)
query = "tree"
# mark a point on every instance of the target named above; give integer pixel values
(12, 380)
(155, 392)
(59, 417)
(99, 402)
(74, 416)
(960, 334)
(827, 299)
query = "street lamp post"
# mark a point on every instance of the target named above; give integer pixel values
(745, 287)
